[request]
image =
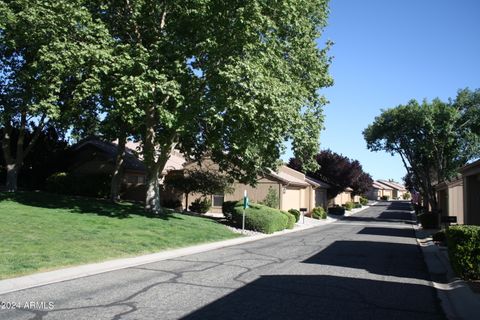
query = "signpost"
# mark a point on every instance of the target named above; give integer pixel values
(245, 206)
(303, 211)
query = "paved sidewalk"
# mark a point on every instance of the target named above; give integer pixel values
(457, 299)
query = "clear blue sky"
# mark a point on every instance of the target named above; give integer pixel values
(387, 52)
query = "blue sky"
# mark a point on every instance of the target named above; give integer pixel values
(387, 52)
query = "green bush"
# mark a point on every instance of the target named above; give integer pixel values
(357, 205)
(349, 205)
(200, 205)
(172, 203)
(406, 196)
(291, 220)
(385, 198)
(296, 214)
(363, 201)
(428, 220)
(228, 207)
(319, 213)
(464, 250)
(89, 185)
(271, 200)
(336, 210)
(259, 218)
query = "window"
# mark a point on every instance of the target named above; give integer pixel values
(132, 179)
(218, 200)
(141, 179)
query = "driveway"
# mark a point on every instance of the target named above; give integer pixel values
(366, 266)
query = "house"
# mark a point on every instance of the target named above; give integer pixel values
(471, 192)
(398, 190)
(93, 156)
(293, 189)
(379, 190)
(450, 198)
(343, 197)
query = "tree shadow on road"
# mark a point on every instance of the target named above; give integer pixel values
(323, 297)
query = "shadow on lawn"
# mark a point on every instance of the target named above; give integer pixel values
(82, 205)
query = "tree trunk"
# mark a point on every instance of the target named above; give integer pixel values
(118, 171)
(186, 201)
(12, 177)
(152, 201)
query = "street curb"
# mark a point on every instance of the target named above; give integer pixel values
(60, 275)
(458, 301)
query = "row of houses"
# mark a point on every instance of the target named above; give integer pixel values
(388, 189)
(294, 189)
(460, 197)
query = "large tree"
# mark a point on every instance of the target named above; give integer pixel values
(338, 171)
(50, 55)
(231, 78)
(433, 139)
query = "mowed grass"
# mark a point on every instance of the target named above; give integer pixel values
(42, 231)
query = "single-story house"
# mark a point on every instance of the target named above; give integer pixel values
(471, 192)
(398, 190)
(379, 190)
(94, 156)
(450, 198)
(294, 190)
(344, 197)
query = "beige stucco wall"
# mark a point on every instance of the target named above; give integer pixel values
(455, 203)
(342, 198)
(292, 199)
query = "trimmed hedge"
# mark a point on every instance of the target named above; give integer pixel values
(296, 214)
(260, 218)
(227, 208)
(291, 220)
(357, 205)
(385, 198)
(319, 213)
(336, 210)
(464, 250)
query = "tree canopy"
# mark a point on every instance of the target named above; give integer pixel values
(338, 171)
(433, 139)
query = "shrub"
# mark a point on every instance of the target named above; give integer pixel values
(290, 220)
(296, 214)
(349, 205)
(200, 205)
(90, 185)
(363, 201)
(428, 220)
(406, 196)
(259, 218)
(227, 208)
(271, 200)
(172, 203)
(336, 210)
(385, 198)
(464, 250)
(319, 213)
(357, 205)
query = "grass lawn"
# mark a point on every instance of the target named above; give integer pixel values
(41, 231)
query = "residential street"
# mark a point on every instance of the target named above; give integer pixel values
(367, 266)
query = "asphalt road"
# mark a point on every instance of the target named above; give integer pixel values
(367, 266)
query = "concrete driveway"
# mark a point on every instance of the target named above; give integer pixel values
(366, 266)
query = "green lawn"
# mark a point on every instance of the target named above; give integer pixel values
(42, 231)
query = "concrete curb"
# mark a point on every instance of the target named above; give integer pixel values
(50, 277)
(458, 301)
